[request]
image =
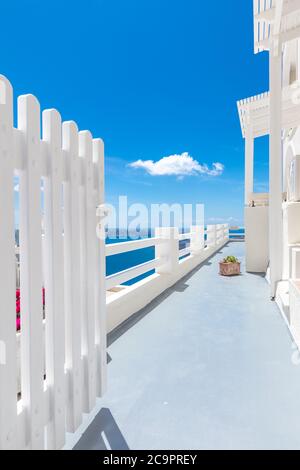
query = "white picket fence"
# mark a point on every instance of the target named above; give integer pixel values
(61, 375)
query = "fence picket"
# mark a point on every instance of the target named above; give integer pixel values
(89, 266)
(8, 358)
(54, 280)
(72, 277)
(100, 279)
(32, 347)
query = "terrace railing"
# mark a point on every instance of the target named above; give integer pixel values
(172, 260)
(167, 248)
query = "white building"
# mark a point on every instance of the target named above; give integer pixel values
(272, 220)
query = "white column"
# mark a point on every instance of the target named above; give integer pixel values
(275, 171)
(249, 164)
(211, 235)
(298, 59)
(295, 263)
(197, 239)
(168, 250)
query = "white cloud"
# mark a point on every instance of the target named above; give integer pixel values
(178, 165)
(222, 220)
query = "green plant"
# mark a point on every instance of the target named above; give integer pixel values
(231, 259)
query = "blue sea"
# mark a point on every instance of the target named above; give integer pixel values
(117, 263)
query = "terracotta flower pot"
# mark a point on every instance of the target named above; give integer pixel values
(230, 269)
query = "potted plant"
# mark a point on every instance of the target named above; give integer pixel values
(230, 266)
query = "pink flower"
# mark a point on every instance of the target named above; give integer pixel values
(18, 307)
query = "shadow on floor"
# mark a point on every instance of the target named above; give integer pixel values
(180, 286)
(102, 434)
(257, 274)
(108, 358)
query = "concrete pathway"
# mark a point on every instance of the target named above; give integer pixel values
(209, 365)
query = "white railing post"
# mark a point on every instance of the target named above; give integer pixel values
(220, 234)
(226, 232)
(211, 235)
(168, 250)
(197, 238)
(215, 235)
(208, 235)
(223, 233)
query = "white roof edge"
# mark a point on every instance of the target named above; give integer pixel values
(254, 111)
(275, 19)
(252, 103)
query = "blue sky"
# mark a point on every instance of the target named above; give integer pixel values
(153, 78)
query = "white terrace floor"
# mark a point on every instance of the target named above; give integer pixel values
(207, 366)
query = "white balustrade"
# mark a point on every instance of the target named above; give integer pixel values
(168, 256)
(170, 264)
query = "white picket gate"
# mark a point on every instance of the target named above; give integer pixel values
(63, 356)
